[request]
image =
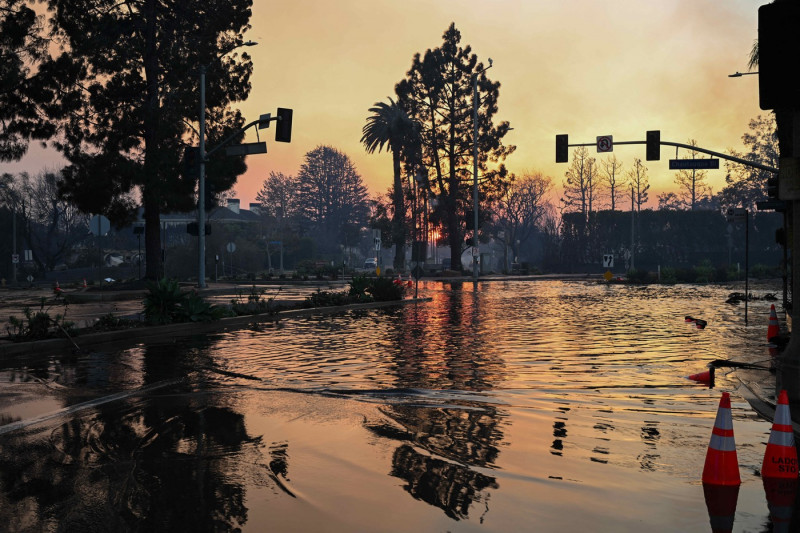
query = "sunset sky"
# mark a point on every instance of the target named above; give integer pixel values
(581, 67)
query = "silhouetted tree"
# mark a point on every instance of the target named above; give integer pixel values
(50, 226)
(390, 126)
(520, 210)
(278, 196)
(438, 94)
(22, 46)
(579, 183)
(126, 88)
(639, 182)
(332, 198)
(746, 185)
(692, 183)
(611, 171)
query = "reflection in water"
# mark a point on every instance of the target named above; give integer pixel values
(440, 448)
(158, 464)
(543, 372)
(442, 445)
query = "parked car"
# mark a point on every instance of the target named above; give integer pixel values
(371, 263)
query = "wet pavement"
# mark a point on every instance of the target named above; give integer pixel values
(494, 408)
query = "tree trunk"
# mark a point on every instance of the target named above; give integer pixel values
(398, 222)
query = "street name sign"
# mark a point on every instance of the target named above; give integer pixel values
(689, 164)
(246, 149)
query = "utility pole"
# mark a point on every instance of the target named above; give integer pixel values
(633, 221)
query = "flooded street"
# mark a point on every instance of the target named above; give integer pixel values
(506, 406)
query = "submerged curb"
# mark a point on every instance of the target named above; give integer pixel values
(169, 331)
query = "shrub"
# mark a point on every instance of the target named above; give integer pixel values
(39, 324)
(385, 290)
(166, 303)
(704, 272)
(669, 276)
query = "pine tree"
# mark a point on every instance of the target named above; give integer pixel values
(125, 94)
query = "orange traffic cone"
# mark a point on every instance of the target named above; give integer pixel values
(722, 465)
(780, 501)
(703, 377)
(721, 504)
(780, 459)
(774, 328)
(84, 283)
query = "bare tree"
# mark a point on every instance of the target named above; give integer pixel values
(692, 183)
(580, 183)
(639, 183)
(521, 208)
(612, 170)
(50, 226)
(278, 196)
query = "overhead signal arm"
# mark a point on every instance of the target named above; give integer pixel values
(654, 139)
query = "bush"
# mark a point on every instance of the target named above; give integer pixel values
(362, 289)
(638, 276)
(385, 290)
(39, 324)
(704, 272)
(669, 276)
(166, 303)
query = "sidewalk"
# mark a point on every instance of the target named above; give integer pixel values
(85, 306)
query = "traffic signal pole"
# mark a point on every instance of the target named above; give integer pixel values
(562, 145)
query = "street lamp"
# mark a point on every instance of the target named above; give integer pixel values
(475, 249)
(201, 181)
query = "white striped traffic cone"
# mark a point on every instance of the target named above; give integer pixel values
(722, 465)
(780, 459)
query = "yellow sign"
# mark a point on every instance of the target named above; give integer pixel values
(608, 275)
(377, 271)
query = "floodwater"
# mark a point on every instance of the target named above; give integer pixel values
(502, 406)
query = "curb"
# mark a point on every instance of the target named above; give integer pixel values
(170, 331)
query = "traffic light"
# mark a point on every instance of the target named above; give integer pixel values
(562, 148)
(191, 162)
(772, 187)
(780, 236)
(653, 145)
(210, 195)
(283, 131)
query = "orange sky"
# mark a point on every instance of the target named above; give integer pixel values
(581, 67)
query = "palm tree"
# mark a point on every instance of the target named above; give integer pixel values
(390, 126)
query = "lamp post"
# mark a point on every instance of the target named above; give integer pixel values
(475, 249)
(201, 180)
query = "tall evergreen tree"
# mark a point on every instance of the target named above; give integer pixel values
(437, 93)
(22, 46)
(127, 94)
(332, 198)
